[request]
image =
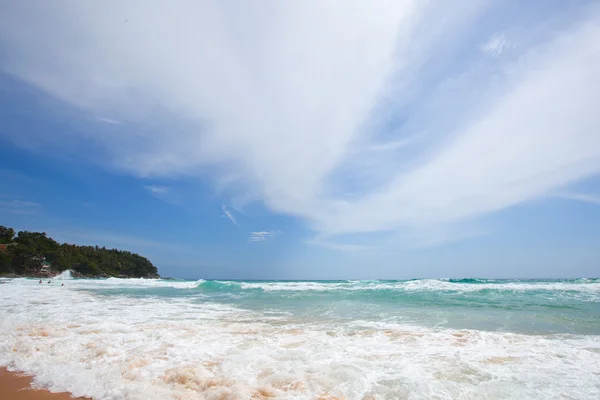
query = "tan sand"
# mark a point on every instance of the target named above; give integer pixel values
(15, 386)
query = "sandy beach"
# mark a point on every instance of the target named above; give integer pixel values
(15, 386)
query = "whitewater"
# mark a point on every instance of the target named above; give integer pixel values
(415, 339)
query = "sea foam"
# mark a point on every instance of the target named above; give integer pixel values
(80, 339)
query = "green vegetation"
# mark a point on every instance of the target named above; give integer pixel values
(6, 234)
(35, 254)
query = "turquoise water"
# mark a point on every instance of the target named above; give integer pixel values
(367, 340)
(520, 306)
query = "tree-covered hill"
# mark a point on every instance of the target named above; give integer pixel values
(35, 254)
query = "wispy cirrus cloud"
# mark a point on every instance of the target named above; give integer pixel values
(229, 215)
(585, 197)
(158, 191)
(109, 121)
(263, 236)
(493, 131)
(164, 193)
(18, 206)
(496, 45)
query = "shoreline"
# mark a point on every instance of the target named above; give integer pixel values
(17, 386)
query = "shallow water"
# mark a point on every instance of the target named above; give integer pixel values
(418, 339)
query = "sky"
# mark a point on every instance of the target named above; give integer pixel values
(308, 140)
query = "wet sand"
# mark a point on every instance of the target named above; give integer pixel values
(15, 386)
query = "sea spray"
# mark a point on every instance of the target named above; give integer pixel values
(65, 275)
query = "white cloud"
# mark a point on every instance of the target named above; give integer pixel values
(229, 215)
(164, 193)
(390, 146)
(587, 198)
(262, 236)
(496, 45)
(158, 191)
(278, 101)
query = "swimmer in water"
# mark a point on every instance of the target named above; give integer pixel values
(40, 281)
(48, 281)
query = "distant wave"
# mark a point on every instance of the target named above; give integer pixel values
(217, 286)
(465, 285)
(429, 285)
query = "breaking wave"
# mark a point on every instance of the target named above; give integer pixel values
(449, 285)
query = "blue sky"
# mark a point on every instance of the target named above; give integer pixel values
(308, 140)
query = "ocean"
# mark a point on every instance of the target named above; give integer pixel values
(415, 339)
